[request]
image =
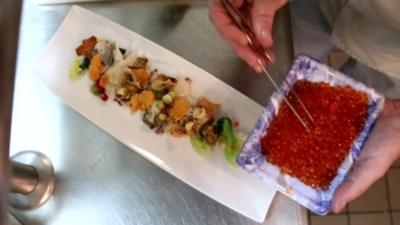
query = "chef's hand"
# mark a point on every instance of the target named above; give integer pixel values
(261, 13)
(380, 151)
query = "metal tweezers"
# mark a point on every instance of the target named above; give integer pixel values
(243, 24)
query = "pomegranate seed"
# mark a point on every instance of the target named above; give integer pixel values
(104, 96)
(173, 80)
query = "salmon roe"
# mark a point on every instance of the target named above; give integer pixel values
(314, 156)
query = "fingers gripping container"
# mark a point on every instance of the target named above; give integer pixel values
(253, 161)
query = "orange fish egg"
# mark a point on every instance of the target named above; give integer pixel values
(314, 156)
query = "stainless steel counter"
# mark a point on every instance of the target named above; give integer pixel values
(101, 181)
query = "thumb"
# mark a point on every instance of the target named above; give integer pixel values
(263, 12)
(362, 176)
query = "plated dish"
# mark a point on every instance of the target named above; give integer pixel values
(210, 173)
(308, 165)
(166, 102)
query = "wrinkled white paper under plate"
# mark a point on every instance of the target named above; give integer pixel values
(211, 175)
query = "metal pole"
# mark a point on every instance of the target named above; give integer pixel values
(23, 178)
(32, 180)
(9, 25)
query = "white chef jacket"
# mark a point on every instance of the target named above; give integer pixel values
(368, 30)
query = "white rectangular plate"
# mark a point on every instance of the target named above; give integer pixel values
(212, 175)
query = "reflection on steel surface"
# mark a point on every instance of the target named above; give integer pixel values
(23, 179)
